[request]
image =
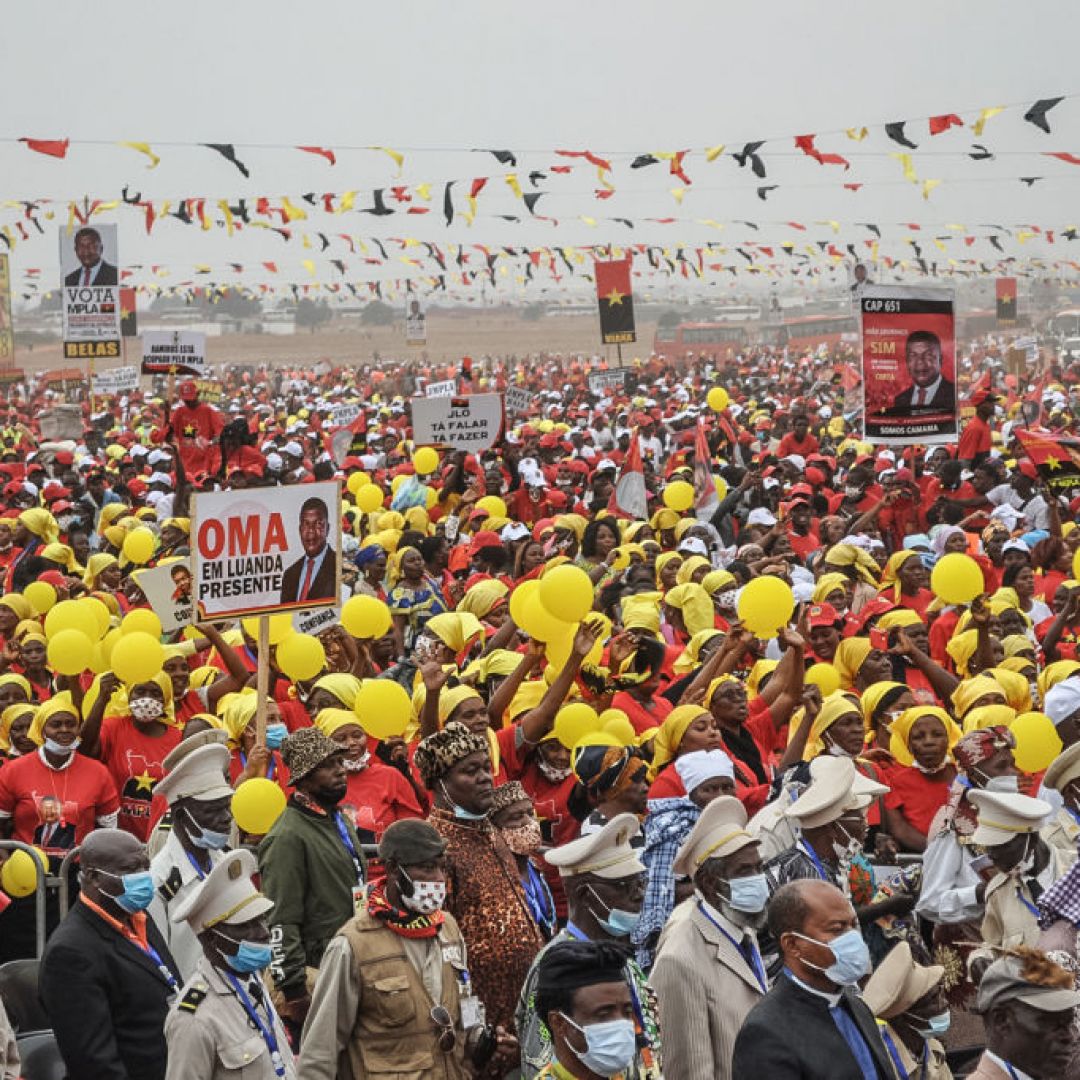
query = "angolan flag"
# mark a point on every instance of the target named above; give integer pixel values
(630, 498)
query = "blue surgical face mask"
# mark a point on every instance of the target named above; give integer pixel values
(207, 839)
(138, 890)
(1009, 784)
(609, 1047)
(618, 923)
(459, 811)
(933, 1027)
(852, 957)
(249, 957)
(276, 734)
(749, 894)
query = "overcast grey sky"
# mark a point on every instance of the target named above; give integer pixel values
(430, 77)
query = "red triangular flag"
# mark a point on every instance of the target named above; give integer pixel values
(630, 498)
(52, 147)
(321, 151)
(938, 124)
(704, 485)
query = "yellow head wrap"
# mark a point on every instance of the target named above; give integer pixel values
(1016, 644)
(330, 720)
(850, 555)
(342, 685)
(8, 717)
(890, 578)
(690, 566)
(393, 565)
(528, 696)
(59, 703)
(961, 648)
(695, 604)
(455, 629)
(827, 584)
(12, 678)
(239, 711)
(19, 604)
(41, 523)
(181, 523)
(641, 611)
(989, 716)
(758, 673)
(670, 734)
(717, 581)
(483, 597)
(95, 565)
(449, 700)
(664, 519)
(689, 658)
(834, 706)
(971, 690)
(661, 561)
(872, 697)
(109, 514)
(62, 554)
(901, 730)
(715, 685)
(899, 617)
(1017, 688)
(849, 657)
(1053, 673)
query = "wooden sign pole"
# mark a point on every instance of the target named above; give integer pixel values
(263, 680)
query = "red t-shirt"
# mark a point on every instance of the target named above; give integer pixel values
(134, 763)
(917, 796)
(378, 796)
(275, 771)
(642, 718)
(790, 445)
(1067, 643)
(804, 546)
(974, 439)
(82, 792)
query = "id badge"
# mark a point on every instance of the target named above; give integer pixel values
(472, 1012)
(359, 895)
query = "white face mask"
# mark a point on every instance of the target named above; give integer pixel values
(357, 764)
(146, 709)
(1009, 785)
(726, 598)
(59, 749)
(550, 772)
(427, 896)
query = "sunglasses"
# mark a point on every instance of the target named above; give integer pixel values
(444, 1022)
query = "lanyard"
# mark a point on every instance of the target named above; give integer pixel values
(194, 862)
(893, 1052)
(339, 821)
(271, 769)
(1027, 903)
(816, 861)
(535, 894)
(150, 951)
(265, 1030)
(575, 932)
(754, 959)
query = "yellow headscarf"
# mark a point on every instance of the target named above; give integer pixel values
(833, 707)
(689, 658)
(718, 581)
(12, 678)
(690, 567)
(41, 523)
(890, 578)
(872, 698)
(827, 584)
(483, 597)
(238, 712)
(109, 514)
(342, 685)
(8, 717)
(62, 554)
(450, 699)
(330, 720)
(715, 685)
(961, 648)
(664, 519)
(970, 690)
(1016, 644)
(661, 561)
(1054, 673)
(19, 604)
(1017, 688)
(1008, 596)
(901, 730)
(498, 664)
(94, 566)
(989, 716)
(58, 703)
(758, 673)
(573, 523)
(899, 617)
(393, 565)
(528, 696)
(455, 629)
(695, 604)
(641, 611)
(850, 555)
(849, 657)
(181, 523)
(670, 734)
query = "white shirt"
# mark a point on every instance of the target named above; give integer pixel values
(925, 394)
(1007, 1067)
(949, 882)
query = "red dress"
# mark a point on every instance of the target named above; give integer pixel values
(641, 717)
(916, 795)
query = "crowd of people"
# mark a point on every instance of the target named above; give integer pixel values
(647, 843)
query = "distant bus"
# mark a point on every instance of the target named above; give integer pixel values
(811, 331)
(717, 340)
(738, 313)
(1065, 323)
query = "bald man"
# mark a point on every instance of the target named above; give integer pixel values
(812, 1024)
(107, 976)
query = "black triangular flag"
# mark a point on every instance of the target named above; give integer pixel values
(750, 153)
(896, 133)
(228, 152)
(982, 155)
(531, 198)
(642, 160)
(763, 192)
(448, 202)
(1037, 113)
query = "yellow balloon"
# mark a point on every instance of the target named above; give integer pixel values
(279, 629)
(567, 593)
(383, 708)
(139, 545)
(136, 657)
(40, 595)
(1037, 741)
(365, 617)
(72, 615)
(425, 461)
(493, 506)
(70, 652)
(721, 486)
(141, 620)
(718, 399)
(431, 497)
(621, 729)
(101, 613)
(520, 597)
(369, 498)
(679, 496)
(956, 579)
(356, 481)
(573, 722)
(539, 623)
(256, 804)
(765, 605)
(301, 656)
(1075, 563)
(19, 874)
(824, 676)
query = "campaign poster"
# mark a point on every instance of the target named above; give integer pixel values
(167, 589)
(517, 400)
(444, 388)
(415, 324)
(616, 301)
(908, 365)
(1005, 289)
(263, 550)
(121, 380)
(90, 292)
(174, 352)
(600, 382)
(465, 423)
(7, 327)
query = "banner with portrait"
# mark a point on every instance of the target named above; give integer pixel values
(908, 365)
(90, 293)
(167, 588)
(263, 550)
(415, 324)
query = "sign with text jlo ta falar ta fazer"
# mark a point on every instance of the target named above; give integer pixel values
(266, 549)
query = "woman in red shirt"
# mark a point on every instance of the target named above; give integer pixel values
(378, 794)
(922, 742)
(904, 581)
(640, 698)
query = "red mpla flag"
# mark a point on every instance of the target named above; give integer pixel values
(805, 143)
(980, 384)
(272, 267)
(629, 498)
(322, 151)
(704, 485)
(938, 124)
(1071, 159)
(612, 278)
(849, 377)
(51, 147)
(1056, 457)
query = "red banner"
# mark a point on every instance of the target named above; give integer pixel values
(615, 298)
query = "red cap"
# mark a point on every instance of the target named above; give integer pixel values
(188, 390)
(823, 615)
(65, 457)
(53, 578)
(136, 487)
(1027, 467)
(485, 538)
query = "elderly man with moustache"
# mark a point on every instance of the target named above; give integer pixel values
(709, 973)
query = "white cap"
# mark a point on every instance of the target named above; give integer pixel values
(761, 516)
(1063, 769)
(829, 795)
(606, 853)
(200, 774)
(1062, 700)
(227, 896)
(516, 530)
(294, 448)
(274, 462)
(156, 457)
(1004, 816)
(797, 460)
(160, 478)
(719, 832)
(699, 766)
(693, 545)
